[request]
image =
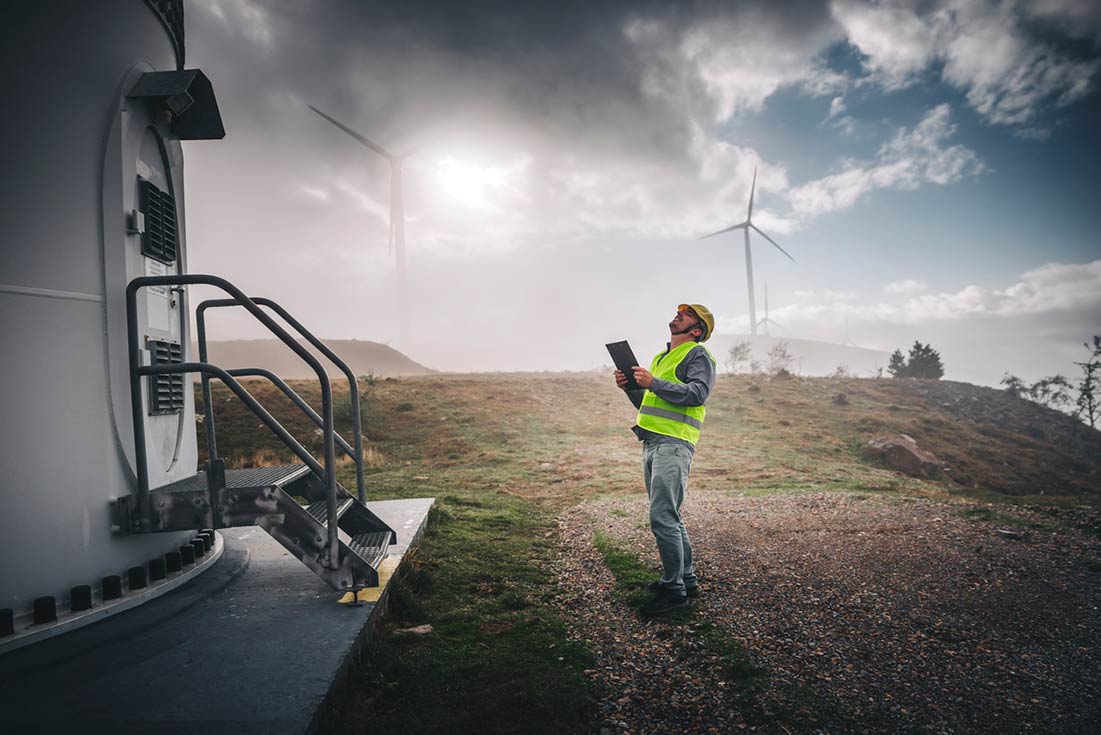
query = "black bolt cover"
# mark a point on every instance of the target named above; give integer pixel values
(112, 587)
(172, 561)
(157, 569)
(187, 555)
(200, 547)
(137, 578)
(45, 610)
(80, 598)
(7, 621)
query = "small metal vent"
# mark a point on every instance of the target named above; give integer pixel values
(160, 240)
(166, 392)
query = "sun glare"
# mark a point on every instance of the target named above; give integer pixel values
(470, 184)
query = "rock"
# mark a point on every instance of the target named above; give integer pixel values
(425, 629)
(841, 399)
(900, 452)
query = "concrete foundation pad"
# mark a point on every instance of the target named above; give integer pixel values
(256, 645)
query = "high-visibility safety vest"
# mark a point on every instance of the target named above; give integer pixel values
(662, 417)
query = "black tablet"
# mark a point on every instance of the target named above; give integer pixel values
(624, 359)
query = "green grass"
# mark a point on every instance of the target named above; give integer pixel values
(499, 659)
(991, 515)
(631, 575)
(503, 454)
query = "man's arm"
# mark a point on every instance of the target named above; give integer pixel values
(698, 376)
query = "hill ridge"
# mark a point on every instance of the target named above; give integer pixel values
(362, 356)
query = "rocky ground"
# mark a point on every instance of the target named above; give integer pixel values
(861, 613)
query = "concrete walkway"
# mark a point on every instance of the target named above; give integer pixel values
(258, 644)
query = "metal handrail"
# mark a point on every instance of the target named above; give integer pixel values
(296, 399)
(353, 383)
(137, 370)
(353, 386)
(241, 392)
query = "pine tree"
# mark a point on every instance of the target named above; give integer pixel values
(924, 362)
(897, 366)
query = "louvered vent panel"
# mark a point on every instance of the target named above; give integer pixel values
(161, 237)
(166, 392)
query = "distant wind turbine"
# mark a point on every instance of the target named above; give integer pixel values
(397, 213)
(766, 321)
(745, 226)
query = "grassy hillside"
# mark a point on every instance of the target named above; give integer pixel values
(363, 357)
(531, 469)
(565, 436)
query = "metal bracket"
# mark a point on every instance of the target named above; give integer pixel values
(124, 515)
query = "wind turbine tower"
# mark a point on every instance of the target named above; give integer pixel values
(766, 321)
(397, 213)
(745, 227)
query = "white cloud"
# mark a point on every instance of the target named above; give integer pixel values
(909, 159)
(242, 16)
(838, 296)
(1049, 289)
(983, 46)
(837, 107)
(897, 43)
(737, 72)
(905, 287)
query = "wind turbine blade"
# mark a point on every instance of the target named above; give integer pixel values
(359, 138)
(758, 229)
(752, 188)
(728, 229)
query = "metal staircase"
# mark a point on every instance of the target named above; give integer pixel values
(333, 533)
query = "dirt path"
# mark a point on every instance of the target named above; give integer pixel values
(872, 613)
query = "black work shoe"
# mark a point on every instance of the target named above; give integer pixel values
(664, 602)
(655, 587)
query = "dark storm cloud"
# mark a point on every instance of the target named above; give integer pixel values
(569, 71)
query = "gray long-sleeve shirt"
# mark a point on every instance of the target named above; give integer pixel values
(697, 375)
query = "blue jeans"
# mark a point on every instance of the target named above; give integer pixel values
(665, 468)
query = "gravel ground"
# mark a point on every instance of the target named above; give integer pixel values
(872, 613)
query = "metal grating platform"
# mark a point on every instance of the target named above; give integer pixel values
(320, 509)
(252, 477)
(371, 547)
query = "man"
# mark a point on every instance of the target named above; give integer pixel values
(670, 416)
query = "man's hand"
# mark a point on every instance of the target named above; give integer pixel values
(621, 380)
(643, 376)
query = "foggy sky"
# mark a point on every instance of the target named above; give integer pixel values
(931, 165)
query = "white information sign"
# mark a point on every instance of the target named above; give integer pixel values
(157, 310)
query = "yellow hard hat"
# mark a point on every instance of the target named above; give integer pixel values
(705, 316)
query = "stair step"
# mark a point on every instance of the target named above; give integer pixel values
(278, 476)
(371, 547)
(320, 509)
